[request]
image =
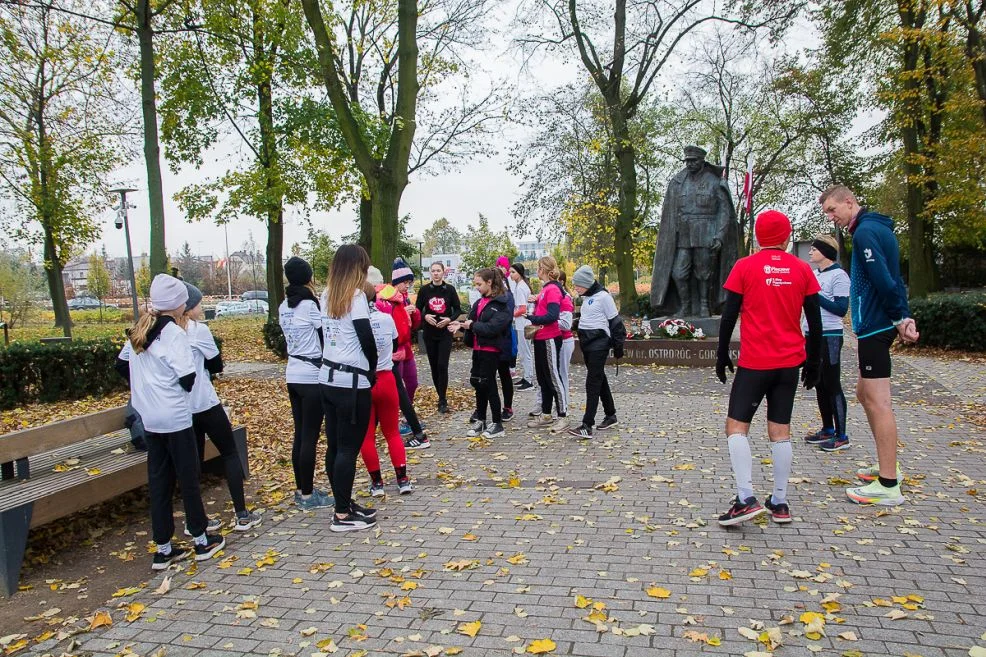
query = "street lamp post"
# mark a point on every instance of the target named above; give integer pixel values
(122, 222)
(421, 245)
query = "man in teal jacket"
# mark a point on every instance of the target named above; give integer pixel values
(880, 313)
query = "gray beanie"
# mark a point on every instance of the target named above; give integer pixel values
(194, 296)
(167, 293)
(584, 276)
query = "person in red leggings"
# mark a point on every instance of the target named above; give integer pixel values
(385, 405)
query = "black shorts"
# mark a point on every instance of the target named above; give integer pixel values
(874, 355)
(751, 386)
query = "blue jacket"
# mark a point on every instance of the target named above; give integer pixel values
(877, 295)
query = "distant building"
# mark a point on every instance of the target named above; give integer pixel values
(453, 266)
(530, 250)
(75, 273)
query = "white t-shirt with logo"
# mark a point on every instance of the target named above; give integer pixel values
(384, 334)
(342, 345)
(597, 310)
(155, 393)
(203, 395)
(521, 291)
(300, 327)
(834, 283)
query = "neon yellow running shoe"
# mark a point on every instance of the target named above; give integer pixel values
(872, 473)
(875, 493)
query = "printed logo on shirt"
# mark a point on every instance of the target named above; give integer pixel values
(769, 269)
(868, 254)
(589, 302)
(776, 282)
(437, 305)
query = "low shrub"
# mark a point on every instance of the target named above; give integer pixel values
(274, 338)
(952, 321)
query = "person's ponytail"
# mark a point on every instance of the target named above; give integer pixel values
(138, 334)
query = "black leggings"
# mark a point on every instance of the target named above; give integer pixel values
(439, 352)
(215, 422)
(345, 438)
(407, 406)
(596, 386)
(483, 379)
(831, 398)
(173, 457)
(306, 409)
(506, 382)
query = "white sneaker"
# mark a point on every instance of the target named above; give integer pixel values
(541, 422)
(561, 424)
(478, 427)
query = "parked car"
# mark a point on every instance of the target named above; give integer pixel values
(83, 303)
(251, 295)
(257, 306)
(253, 307)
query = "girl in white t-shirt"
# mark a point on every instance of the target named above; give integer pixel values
(157, 361)
(525, 354)
(208, 415)
(300, 318)
(349, 365)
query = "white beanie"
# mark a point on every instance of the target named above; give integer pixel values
(374, 276)
(167, 293)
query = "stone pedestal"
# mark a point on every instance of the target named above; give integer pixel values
(709, 325)
(688, 353)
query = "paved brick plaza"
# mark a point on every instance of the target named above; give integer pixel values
(511, 533)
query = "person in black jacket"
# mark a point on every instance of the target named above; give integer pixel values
(488, 333)
(439, 304)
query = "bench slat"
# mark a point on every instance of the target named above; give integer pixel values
(29, 442)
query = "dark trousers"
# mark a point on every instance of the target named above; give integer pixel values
(483, 378)
(506, 382)
(174, 457)
(439, 352)
(215, 422)
(407, 406)
(306, 409)
(596, 386)
(831, 399)
(545, 366)
(345, 438)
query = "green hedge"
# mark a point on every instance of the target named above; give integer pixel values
(35, 372)
(952, 321)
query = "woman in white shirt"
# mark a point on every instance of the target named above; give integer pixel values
(157, 361)
(349, 364)
(208, 415)
(300, 317)
(525, 354)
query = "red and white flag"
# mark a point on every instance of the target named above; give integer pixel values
(748, 189)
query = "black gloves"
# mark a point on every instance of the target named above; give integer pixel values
(722, 362)
(810, 374)
(618, 351)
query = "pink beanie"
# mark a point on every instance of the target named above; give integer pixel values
(503, 261)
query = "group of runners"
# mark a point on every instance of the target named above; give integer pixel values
(351, 367)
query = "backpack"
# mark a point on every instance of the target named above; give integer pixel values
(135, 424)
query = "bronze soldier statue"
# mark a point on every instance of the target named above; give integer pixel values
(696, 245)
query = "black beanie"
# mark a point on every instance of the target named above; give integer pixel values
(519, 268)
(297, 271)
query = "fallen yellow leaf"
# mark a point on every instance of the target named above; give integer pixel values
(470, 629)
(541, 646)
(101, 619)
(658, 592)
(134, 611)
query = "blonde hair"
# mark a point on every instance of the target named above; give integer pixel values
(828, 239)
(837, 193)
(348, 274)
(138, 334)
(549, 266)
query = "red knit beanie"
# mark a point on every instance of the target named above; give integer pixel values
(772, 228)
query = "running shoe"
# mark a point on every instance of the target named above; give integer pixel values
(215, 524)
(213, 543)
(524, 385)
(319, 499)
(478, 427)
(162, 561)
(608, 422)
(405, 429)
(247, 521)
(835, 444)
(741, 511)
(561, 424)
(535, 413)
(507, 415)
(876, 493)
(366, 511)
(474, 418)
(541, 421)
(780, 512)
(404, 486)
(420, 441)
(494, 430)
(351, 522)
(872, 473)
(583, 432)
(443, 407)
(376, 489)
(820, 437)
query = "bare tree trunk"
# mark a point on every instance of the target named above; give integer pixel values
(56, 286)
(623, 235)
(366, 223)
(152, 147)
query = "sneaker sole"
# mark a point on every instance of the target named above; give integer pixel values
(351, 528)
(208, 555)
(743, 518)
(248, 526)
(608, 426)
(868, 501)
(377, 493)
(782, 520)
(165, 566)
(421, 446)
(406, 491)
(493, 435)
(834, 449)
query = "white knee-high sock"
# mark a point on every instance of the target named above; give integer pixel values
(782, 455)
(742, 460)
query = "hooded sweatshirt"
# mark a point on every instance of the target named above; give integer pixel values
(877, 296)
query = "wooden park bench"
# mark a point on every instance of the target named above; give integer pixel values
(51, 471)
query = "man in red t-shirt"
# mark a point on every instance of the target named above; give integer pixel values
(770, 288)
